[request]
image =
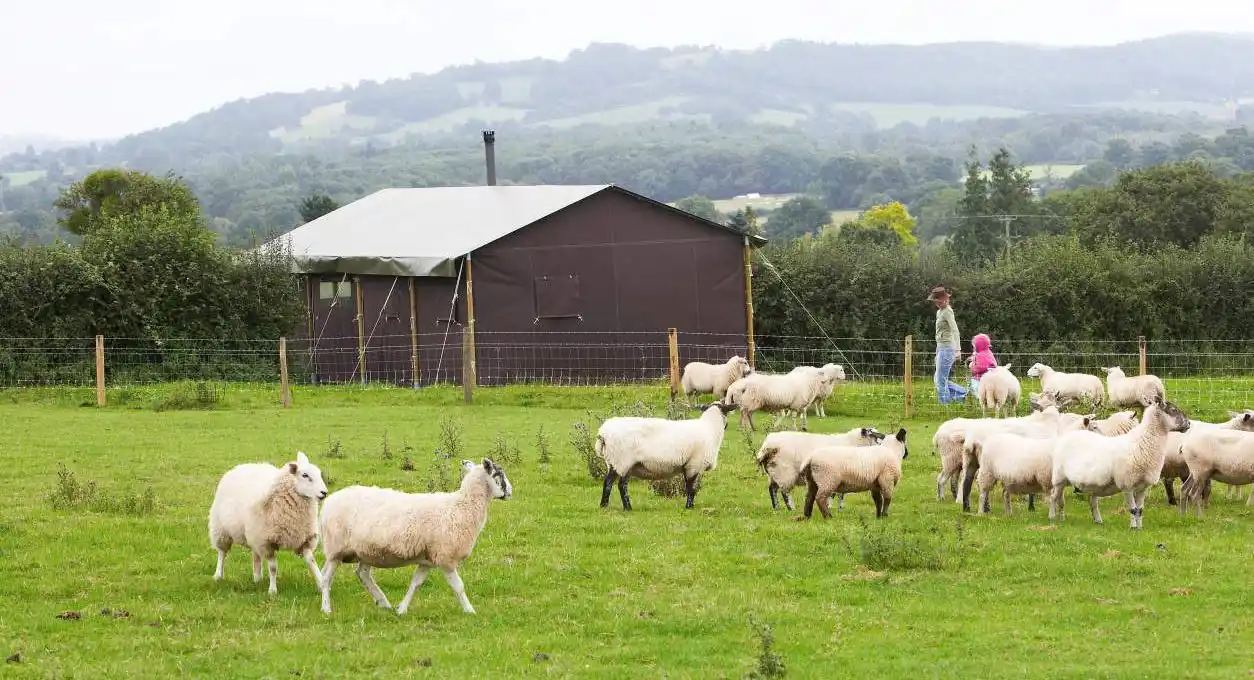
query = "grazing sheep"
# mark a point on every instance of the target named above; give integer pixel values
(999, 388)
(782, 394)
(1044, 423)
(1140, 391)
(783, 455)
(1068, 386)
(268, 509)
(1175, 467)
(834, 373)
(1022, 464)
(1103, 466)
(657, 448)
(948, 444)
(853, 469)
(386, 528)
(702, 378)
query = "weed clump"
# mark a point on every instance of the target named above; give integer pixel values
(768, 664)
(70, 494)
(886, 546)
(187, 395)
(503, 452)
(583, 435)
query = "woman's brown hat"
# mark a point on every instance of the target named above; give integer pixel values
(938, 292)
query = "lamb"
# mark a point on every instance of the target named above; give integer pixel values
(834, 374)
(789, 393)
(999, 388)
(702, 378)
(1021, 463)
(1223, 455)
(1177, 461)
(783, 455)
(1140, 391)
(948, 443)
(657, 448)
(1077, 386)
(268, 509)
(1103, 466)
(852, 469)
(386, 528)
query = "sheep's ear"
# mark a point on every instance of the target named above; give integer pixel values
(1247, 416)
(866, 432)
(301, 457)
(291, 467)
(901, 435)
(1087, 421)
(488, 464)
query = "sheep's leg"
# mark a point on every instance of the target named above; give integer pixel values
(622, 492)
(1056, 503)
(787, 499)
(607, 488)
(455, 582)
(773, 489)
(953, 485)
(968, 476)
(420, 575)
(746, 418)
(690, 489)
(812, 491)
(1005, 500)
(367, 580)
(879, 501)
(940, 485)
(308, 555)
(272, 561)
(1095, 508)
(1140, 507)
(1250, 500)
(219, 573)
(983, 500)
(805, 424)
(1031, 502)
(328, 573)
(1186, 495)
(1169, 486)
(825, 507)
(888, 499)
(256, 567)
(840, 501)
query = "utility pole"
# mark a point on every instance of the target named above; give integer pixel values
(1005, 220)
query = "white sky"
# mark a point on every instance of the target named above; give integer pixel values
(80, 68)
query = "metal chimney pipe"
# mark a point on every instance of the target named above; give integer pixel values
(489, 150)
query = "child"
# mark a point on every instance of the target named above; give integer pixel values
(981, 360)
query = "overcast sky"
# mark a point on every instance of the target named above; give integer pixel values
(80, 68)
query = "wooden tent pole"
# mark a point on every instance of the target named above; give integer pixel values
(413, 331)
(470, 316)
(361, 330)
(749, 303)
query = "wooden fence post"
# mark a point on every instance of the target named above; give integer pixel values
(361, 330)
(752, 348)
(907, 374)
(468, 362)
(1140, 343)
(285, 388)
(100, 383)
(672, 347)
(413, 331)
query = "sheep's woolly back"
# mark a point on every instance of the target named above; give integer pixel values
(783, 455)
(1116, 423)
(657, 448)
(388, 528)
(999, 388)
(1020, 463)
(761, 392)
(702, 378)
(1139, 390)
(1102, 465)
(851, 469)
(1079, 386)
(256, 504)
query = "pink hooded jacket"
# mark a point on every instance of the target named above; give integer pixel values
(983, 358)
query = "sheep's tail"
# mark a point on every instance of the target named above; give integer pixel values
(766, 455)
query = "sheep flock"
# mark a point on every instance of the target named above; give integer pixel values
(1048, 452)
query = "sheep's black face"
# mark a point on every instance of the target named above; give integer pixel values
(1176, 420)
(501, 487)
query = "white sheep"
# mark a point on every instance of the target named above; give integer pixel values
(1103, 466)
(1221, 455)
(268, 509)
(783, 455)
(1068, 386)
(1175, 467)
(948, 444)
(999, 389)
(782, 394)
(702, 378)
(386, 528)
(853, 469)
(658, 448)
(1140, 390)
(834, 373)
(1022, 464)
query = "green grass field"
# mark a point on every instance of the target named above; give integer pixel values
(564, 588)
(21, 179)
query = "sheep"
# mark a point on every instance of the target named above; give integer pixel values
(1103, 466)
(999, 388)
(702, 378)
(268, 509)
(1221, 454)
(1021, 463)
(783, 455)
(1177, 465)
(657, 448)
(385, 528)
(1140, 391)
(851, 469)
(783, 394)
(1077, 386)
(834, 373)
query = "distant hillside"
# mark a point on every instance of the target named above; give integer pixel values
(19, 143)
(809, 86)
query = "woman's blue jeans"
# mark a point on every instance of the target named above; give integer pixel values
(947, 392)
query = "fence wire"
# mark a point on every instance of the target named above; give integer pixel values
(1203, 376)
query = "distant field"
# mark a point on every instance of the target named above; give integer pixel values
(764, 202)
(453, 119)
(1215, 110)
(624, 115)
(17, 179)
(889, 115)
(1059, 170)
(323, 122)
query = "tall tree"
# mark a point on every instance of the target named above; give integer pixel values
(315, 206)
(799, 215)
(986, 201)
(746, 220)
(700, 206)
(89, 202)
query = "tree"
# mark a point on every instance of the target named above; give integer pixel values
(315, 206)
(89, 202)
(700, 206)
(799, 215)
(1119, 153)
(746, 220)
(1174, 203)
(1007, 190)
(891, 218)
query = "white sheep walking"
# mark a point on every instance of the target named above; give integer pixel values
(783, 455)
(1068, 386)
(268, 509)
(1141, 390)
(832, 373)
(1176, 467)
(1103, 466)
(702, 378)
(854, 469)
(658, 448)
(782, 394)
(999, 389)
(386, 528)
(1223, 455)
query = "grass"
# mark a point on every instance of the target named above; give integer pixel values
(24, 177)
(890, 115)
(1060, 171)
(323, 122)
(562, 587)
(624, 115)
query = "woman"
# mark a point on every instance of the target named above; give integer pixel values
(948, 348)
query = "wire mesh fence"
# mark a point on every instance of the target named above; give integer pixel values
(884, 375)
